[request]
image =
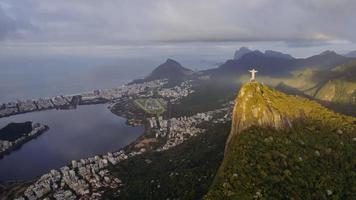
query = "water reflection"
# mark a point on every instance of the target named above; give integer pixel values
(85, 131)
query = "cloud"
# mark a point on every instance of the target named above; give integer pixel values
(10, 28)
(312, 22)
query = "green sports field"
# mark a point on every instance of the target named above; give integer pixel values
(151, 106)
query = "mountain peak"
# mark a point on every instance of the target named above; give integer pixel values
(327, 52)
(170, 61)
(258, 105)
(254, 106)
(241, 52)
(171, 70)
(255, 53)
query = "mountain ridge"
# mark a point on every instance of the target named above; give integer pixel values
(278, 54)
(276, 66)
(332, 85)
(268, 53)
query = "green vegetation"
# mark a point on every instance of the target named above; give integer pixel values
(335, 85)
(184, 172)
(208, 95)
(309, 162)
(313, 159)
(151, 106)
(13, 131)
(340, 91)
(344, 108)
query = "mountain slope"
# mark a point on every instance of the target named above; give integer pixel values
(337, 85)
(171, 70)
(351, 54)
(286, 147)
(277, 54)
(324, 60)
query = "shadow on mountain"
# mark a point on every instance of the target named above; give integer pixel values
(344, 108)
(208, 95)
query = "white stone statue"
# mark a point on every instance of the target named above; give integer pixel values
(253, 74)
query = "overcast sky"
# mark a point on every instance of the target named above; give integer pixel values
(84, 26)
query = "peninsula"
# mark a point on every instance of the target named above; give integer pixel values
(14, 135)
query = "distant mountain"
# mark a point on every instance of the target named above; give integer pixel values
(264, 64)
(285, 146)
(276, 64)
(277, 54)
(268, 53)
(351, 54)
(256, 59)
(241, 52)
(171, 70)
(324, 60)
(337, 85)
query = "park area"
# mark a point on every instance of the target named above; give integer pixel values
(151, 105)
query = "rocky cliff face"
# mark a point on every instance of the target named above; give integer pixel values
(252, 108)
(257, 105)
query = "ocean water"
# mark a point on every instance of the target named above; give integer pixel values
(33, 78)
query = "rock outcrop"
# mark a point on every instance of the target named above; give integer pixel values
(256, 106)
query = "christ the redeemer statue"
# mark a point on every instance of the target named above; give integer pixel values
(253, 74)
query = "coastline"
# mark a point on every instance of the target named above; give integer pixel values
(71, 101)
(100, 163)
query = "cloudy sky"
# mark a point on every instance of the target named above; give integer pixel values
(84, 26)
